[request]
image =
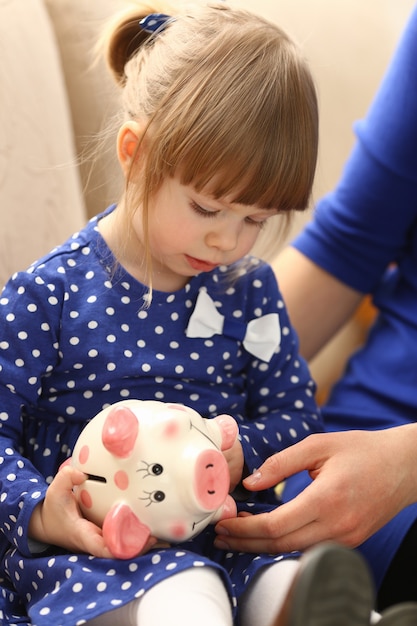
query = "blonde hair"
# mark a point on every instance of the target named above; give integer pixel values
(229, 102)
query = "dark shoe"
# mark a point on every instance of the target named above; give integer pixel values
(333, 587)
(404, 614)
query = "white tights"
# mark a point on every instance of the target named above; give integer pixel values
(198, 596)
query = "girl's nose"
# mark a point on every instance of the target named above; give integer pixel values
(225, 239)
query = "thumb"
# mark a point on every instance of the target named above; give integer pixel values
(68, 477)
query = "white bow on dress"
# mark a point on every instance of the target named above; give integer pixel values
(261, 336)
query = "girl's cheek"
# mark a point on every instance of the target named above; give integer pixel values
(254, 236)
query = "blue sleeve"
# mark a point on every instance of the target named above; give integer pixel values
(22, 365)
(365, 223)
(281, 407)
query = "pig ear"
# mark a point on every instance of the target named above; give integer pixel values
(124, 534)
(228, 429)
(120, 431)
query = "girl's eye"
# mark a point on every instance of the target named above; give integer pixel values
(201, 211)
(258, 223)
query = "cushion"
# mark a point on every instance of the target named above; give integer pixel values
(93, 95)
(40, 193)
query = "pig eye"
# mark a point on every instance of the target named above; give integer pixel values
(158, 496)
(151, 469)
(154, 496)
(156, 469)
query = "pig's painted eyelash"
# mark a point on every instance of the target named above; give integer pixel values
(151, 469)
(154, 497)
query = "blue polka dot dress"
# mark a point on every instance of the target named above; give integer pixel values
(77, 337)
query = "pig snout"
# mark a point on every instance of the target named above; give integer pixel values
(211, 479)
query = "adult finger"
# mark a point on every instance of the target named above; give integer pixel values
(285, 519)
(299, 540)
(301, 456)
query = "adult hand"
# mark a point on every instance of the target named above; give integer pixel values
(58, 520)
(361, 479)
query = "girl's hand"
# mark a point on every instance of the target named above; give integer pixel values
(58, 520)
(235, 461)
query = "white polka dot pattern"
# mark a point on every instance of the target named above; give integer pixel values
(75, 338)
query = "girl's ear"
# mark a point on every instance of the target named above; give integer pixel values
(128, 138)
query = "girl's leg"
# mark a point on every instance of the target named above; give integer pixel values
(266, 595)
(329, 585)
(195, 596)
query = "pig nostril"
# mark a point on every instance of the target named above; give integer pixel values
(211, 480)
(211, 492)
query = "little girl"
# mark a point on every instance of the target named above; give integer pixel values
(157, 298)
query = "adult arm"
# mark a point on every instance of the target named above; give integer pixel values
(332, 506)
(318, 303)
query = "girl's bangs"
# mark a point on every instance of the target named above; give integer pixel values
(249, 172)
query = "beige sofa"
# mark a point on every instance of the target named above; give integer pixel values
(53, 100)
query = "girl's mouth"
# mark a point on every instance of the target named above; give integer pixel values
(198, 264)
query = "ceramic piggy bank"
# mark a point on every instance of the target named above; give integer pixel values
(153, 469)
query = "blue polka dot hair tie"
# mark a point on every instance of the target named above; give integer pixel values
(155, 22)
